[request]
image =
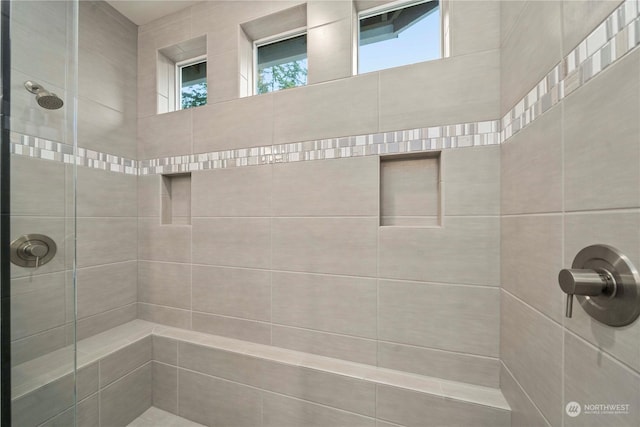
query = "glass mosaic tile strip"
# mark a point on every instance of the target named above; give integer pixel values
(618, 34)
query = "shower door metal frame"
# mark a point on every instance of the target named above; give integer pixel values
(5, 218)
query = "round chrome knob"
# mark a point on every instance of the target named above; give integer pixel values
(605, 283)
(35, 249)
(32, 250)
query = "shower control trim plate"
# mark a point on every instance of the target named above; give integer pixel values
(605, 283)
(32, 250)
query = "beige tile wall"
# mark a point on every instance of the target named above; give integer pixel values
(106, 203)
(43, 191)
(460, 89)
(40, 302)
(293, 255)
(569, 180)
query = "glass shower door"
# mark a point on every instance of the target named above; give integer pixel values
(39, 74)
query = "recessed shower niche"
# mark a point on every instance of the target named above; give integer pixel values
(410, 190)
(176, 199)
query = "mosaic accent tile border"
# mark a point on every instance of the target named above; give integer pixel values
(31, 146)
(406, 141)
(609, 42)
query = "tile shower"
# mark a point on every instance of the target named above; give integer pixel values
(379, 249)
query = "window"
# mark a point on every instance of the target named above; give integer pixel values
(399, 36)
(281, 63)
(181, 75)
(192, 83)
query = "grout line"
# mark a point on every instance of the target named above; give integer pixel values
(522, 389)
(530, 307)
(601, 351)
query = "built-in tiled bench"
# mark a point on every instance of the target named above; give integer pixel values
(214, 380)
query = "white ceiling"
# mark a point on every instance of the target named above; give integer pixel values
(142, 12)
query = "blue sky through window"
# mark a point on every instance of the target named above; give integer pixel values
(420, 42)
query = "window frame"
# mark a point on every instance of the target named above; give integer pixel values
(179, 66)
(390, 7)
(296, 32)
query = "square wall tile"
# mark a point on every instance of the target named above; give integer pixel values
(165, 387)
(431, 362)
(34, 346)
(579, 18)
(212, 401)
(164, 284)
(592, 377)
(165, 135)
(165, 350)
(28, 194)
(411, 409)
(240, 329)
(523, 63)
(116, 69)
(531, 166)
(601, 162)
(106, 287)
(223, 125)
(104, 194)
(235, 292)
(222, 73)
(509, 13)
(446, 317)
(37, 304)
(343, 305)
(474, 26)
(447, 91)
(466, 250)
(47, 401)
(149, 193)
(242, 191)
(104, 321)
(325, 245)
(119, 363)
(321, 12)
(281, 411)
(471, 179)
(105, 240)
(523, 411)
(336, 187)
(178, 318)
(327, 110)
(325, 344)
(158, 242)
(329, 49)
(126, 399)
(219, 363)
(335, 391)
(531, 259)
(107, 130)
(234, 242)
(531, 348)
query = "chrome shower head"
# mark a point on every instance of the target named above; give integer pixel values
(45, 99)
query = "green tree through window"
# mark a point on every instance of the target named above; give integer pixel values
(194, 95)
(282, 76)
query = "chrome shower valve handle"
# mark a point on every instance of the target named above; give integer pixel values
(605, 283)
(32, 250)
(585, 282)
